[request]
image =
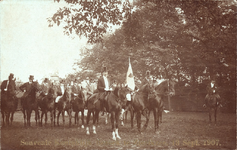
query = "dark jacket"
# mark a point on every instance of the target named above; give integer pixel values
(30, 89)
(11, 88)
(101, 84)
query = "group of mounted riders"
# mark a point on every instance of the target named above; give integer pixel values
(99, 91)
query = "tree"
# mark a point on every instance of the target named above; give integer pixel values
(90, 18)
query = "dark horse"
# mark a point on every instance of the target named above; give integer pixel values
(149, 98)
(213, 102)
(47, 103)
(78, 105)
(8, 103)
(113, 104)
(29, 103)
(64, 105)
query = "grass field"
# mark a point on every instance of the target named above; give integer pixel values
(179, 130)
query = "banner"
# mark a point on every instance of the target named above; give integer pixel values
(130, 78)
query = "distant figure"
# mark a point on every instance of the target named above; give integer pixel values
(212, 90)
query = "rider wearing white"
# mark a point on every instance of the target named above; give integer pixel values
(60, 92)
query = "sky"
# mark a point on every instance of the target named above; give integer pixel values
(29, 47)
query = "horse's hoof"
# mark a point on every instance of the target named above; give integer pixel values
(157, 132)
(122, 124)
(87, 133)
(94, 132)
(114, 138)
(82, 126)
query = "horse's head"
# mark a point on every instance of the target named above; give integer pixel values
(66, 95)
(166, 87)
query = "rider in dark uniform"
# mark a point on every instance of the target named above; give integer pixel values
(103, 87)
(8, 90)
(26, 87)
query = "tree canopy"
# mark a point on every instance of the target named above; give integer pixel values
(191, 41)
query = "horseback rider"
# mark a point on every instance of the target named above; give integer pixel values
(45, 86)
(129, 97)
(148, 79)
(103, 88)
(75, 89)
(212, 91)
(60, 91)
(26, 87)
(8, 90)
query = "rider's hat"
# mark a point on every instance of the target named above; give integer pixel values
(46, 80)
(104, 69)
(11, 76)
(148, 73)
(31, 77)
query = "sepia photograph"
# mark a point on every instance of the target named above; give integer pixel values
(118, 74)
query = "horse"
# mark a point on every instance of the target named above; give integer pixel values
(64, 105)
(212, 105)
(78, 105)
(113, 103)
(8, 104)
(149, 98)
(30, 103)
(163, 88)
(47, 103)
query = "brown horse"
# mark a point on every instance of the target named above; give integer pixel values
(113, 103)
(64, 105)
(47, 103)
(8, 104)
(29, 103)
(150, 98)
(165, 88)
(78, 105)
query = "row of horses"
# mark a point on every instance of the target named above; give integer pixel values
(148, 98)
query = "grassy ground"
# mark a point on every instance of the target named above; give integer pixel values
(179, 130)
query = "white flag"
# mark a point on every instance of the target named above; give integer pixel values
(130, 78)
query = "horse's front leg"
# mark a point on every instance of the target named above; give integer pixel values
(82, 119)
(59, 112)
(3, 118)
(51, 117)
(116, 125)
(46, 117)
(147, 115)
(7, 118)
(24, 116)
(70, 116)
(12, 114)
(138, 116)
(63, 113)
(28, 112)
(88, 121)
(210, 116)
(41, 119)
(112, 123)
(215, 111)
(95, 118)
(36, 115)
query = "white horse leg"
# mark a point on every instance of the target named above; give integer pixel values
(87, 131)
(94, 129)
(116, 133)
(106, 118)
(113, 136)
